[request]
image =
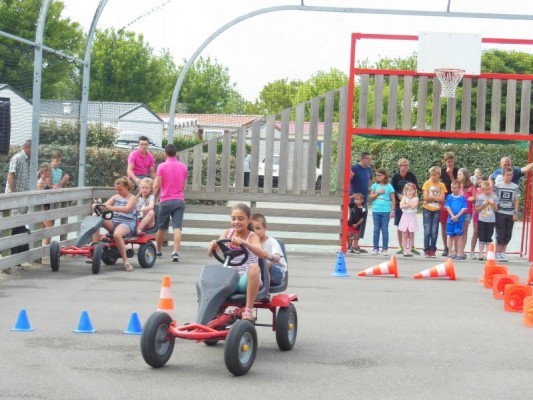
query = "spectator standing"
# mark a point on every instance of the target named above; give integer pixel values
(455, 205)
(518, 172)
(408, 224)
(170, 180)
(361, 176)
(59, 178)
(468, 190)
(447, 175)
(508, 194)
(486, 205)
(434, 194)
(141, 163)
(477, 178)
(398, 182)
(383, 198)
(246, 169)
(18, 175)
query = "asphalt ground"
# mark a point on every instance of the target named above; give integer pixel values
(367, 338)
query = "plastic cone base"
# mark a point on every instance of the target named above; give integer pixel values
(385, 268)
(23, 323)
(528, 311)
(85, 325)
(514, 297)
(444, 270)
(340, 267)
(134, 326)
(490, 271)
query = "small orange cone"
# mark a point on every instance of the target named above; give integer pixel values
(528, 311)
(499, 282)
(514, 297)
(166, 302)
(439, 271)
(490, 271)
(491, 256)
(529, 280)
(385, 268)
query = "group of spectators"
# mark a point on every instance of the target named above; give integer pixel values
(449, 196)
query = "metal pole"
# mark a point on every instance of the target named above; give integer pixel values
(84, 106)
(302, 7)
(37, 70)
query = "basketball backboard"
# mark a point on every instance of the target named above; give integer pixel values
(449, 50)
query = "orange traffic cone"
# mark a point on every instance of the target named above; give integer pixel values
(490, 271)
(514, 297)
(529, 280)
(166, 302)
(499, 282)
(439, 271)
(385, 268)
(528, 311)
(491, 256)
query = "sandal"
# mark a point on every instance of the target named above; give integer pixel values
(128, 267)
(247, 314)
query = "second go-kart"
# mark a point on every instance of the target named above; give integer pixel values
(219, 316)
(106, 250)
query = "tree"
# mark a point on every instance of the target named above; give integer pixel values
(277, 96)
(124, 68)
(60, 77)
(207, 88)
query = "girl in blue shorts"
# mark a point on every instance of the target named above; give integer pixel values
(242, 234)
(124, 221)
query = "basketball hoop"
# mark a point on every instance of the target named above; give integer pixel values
(449, 79)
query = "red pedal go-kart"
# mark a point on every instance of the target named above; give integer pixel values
(106, 251)
(219, 316)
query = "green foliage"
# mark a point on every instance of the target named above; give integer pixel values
(183, 143)
(60, 77)
(69, 134)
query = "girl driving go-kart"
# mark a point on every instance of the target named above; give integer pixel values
(240, 234)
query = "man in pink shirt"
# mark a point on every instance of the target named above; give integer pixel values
(171, 178)
(141, 163)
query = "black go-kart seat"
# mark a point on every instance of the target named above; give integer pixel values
(88, 227)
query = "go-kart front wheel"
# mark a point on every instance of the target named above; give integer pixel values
(54, 256)
(147, 255)
(241, 347)
(97, 258)
(286, 327)
(156, 344)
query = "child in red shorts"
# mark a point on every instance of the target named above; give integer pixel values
(358, 214)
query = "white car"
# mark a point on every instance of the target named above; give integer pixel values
(275, 174)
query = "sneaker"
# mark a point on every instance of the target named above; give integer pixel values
(503, 258)
(497, 256)
(408, 255)
(445, 252)
(384, 252)
(158, 254)
(399, 251)
(473, 255)
(375, 252)
(415, 251)
(362, 251)
(481, 258)
(351, 251)
(427, 253)
(175, 256)
(357, 251)
(432, 254)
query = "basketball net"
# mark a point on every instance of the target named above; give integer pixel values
(449, 79)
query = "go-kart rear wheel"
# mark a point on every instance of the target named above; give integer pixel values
(54, 256)
(109, 260)
(147, 255)
(97, 258)
(286, 327)
(241, 347)
(156, 344)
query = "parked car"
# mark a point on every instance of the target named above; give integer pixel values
(132, 145)
(275, 174)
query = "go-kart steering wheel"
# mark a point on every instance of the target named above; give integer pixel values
(231, 253)
(99, 209)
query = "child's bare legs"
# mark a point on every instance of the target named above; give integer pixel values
(473, 242)
(108, 225)
(405, 243)
(400, 238)
(254, 277)
(411, 240)
(482, 254)
(445, 238)
(147, 222)
(462, 242)
(355, 241)
(119, 233)
(47, 224)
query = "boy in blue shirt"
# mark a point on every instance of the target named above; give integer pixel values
(456, 206)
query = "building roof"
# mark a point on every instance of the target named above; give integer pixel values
(8, 86)
(102, 110)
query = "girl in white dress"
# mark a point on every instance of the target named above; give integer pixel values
(408, 224)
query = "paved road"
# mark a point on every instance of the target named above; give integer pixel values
(366, 338)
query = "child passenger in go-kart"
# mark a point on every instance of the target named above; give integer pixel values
(124, 218)
(241, 234)
(277, 265)
(145, 206)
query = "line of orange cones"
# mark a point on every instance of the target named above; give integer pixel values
(516, 297)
